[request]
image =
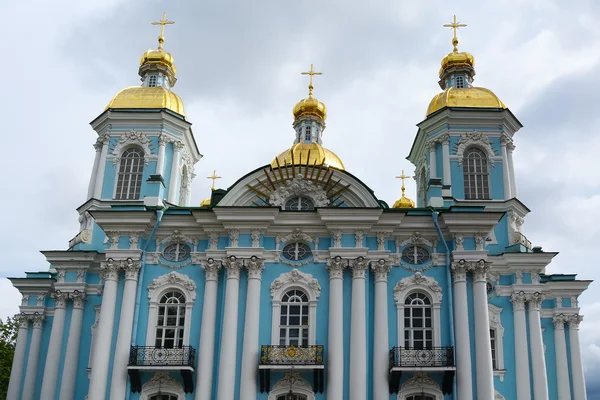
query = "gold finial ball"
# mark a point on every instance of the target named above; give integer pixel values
(310, 107)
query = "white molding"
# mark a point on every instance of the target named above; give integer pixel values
(418, 383)
(164, 382)
(496, 324)
(299, 186)
(92, 341)
(292, 380)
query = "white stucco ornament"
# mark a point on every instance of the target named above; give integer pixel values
(172, 279)
(295, 276)
(299, 187)
(414, 282)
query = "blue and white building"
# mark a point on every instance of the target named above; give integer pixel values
(297, 282)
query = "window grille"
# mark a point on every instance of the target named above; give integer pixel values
(171, 320)
(460, 82)
(129, 180)
(152, 80)
(293, 323)
(476, 176)
(418, 327)
(494, 348)
(297, 251)
(307, 133)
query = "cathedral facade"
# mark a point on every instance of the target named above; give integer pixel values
(297, 282)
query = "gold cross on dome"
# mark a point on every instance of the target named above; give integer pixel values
(403, 177)
(214, 177)
(162, 24)
(311, 73)
(455, 25)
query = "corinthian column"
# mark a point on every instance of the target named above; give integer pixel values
(227, 362)
(99, 180)
(335, 340)
(562, 363)
(521, 348)
(380, 339)
(576, 364)
(118, 383)
(67, 387)
(14, 385)
(204, 377)
(538, 360)
(464, 380)
(54, 346)
(483, 350)
(255, 267)
(358, 331)
(34, 356)
(104, 332)
(173, 187)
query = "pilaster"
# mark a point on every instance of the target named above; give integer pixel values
(335, 367)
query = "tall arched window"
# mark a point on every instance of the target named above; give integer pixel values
(475, 166)
(418, 326)
(293, 322)
(170, 324)
(129, 179)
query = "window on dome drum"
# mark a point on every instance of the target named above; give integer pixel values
(494, 348)
(415, 255)
(420, 397)
(307, 133)
(171, 320)
(297, 251)
(152, 80)
(292, 396)
(475, 166)
(299, 203)
(293, 323)
(177, 252)
(418, 326)
(163, 397)
(129, 179)
(460, 82)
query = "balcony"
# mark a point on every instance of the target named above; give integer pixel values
(150, 358)
(291, 357)
(435, 359)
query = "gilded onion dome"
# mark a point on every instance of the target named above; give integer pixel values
(310, 106)
(205, 202)
(307, 154)
(403, 202)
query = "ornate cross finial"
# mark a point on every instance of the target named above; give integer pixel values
(214, 177)
(403, 177)
(310, 84)
(162, 23)
(455, 25)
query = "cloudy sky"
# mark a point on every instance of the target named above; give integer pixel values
(239, 65)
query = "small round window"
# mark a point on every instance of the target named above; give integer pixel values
(177, 252)
(415, 255)
(299, 203)
(297, 251)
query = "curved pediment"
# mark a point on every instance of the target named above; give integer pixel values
(325, 186)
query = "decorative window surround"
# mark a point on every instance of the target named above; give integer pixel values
(424, 284)
(129, 139)
(163, 382)
(478, 140)
(292, 380)
(496, 325)
(157, 288)
(295, 280)
(419, 383)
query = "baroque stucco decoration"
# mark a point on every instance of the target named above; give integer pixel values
(161, 381)
(294, 381)
(299, 187)
(475, 139)
(296, 277)
(133, 138)
(417, 281)
(421, 381)
(173, 279)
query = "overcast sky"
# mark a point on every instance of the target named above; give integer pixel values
(239, 65)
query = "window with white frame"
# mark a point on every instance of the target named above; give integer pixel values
(162, 386)
(293, 322)
(476, 175)
(307, 133)
(420, 386)
(292, 386)
(296, 251)
(460, 82)
(496, 340)
(299, 203)
(494, 348)
(129, 177)
(418, 321)
(170, 325)
(177, 252)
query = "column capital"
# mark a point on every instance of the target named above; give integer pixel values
(37, 320)
(22, 319)
(480, 270)
(211, 269)
(359, 267)
(233, 266)
(382, 269)
(109, 270)
(60, 298)
(359, 236)
(574, 321)
(336, 236)
(234, 236)
(178, 145)
(78, 298)
(336, 266)
(101, 141)
(381, 239)
(131, 269)
(430, 145)
(518, 300)
(459, 239)
(163, 139)
(534, 301)
(504, 140)
(444, 139)
(255, 234)
(213, 240)
(559, 321)
(459, 271)
(255, 267)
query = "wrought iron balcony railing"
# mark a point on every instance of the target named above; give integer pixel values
(291, 355)
(150, 356)
(402, 357)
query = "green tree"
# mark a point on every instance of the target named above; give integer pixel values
(8, 339)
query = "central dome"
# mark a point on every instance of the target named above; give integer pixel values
(308, 154)
(147, 97)
(472, 97)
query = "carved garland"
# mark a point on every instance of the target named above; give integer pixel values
(476, 139)
(417, 281)
(133, 138)
(173, 279)
(295, 276)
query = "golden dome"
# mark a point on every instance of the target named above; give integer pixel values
(456, 59)
(205, 202)
(404, 202)
(472, 97)
(158, 57)
(147, 97)
(310, 106)
(308, 153)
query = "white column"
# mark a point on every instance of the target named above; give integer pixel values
(335, 340)
(380, 338)
(14, 385)
(432, 160)
(54, 346)
(358, 331)
(506, 181)
(483, 349)
(118, 383)
(94, 176)
(34, 356)
(227, 361)
(562, 363)
(462, 352)
(104, 139)
(173, 186)
(536, 343)
(248, 386)
(160, 164)
(446, 160)
(510, 147)
(521, 347)
(576, 364)
(204, 376)
(104, 332)
(67, 387)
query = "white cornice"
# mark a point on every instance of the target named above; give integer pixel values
(124, 221)
(470, 222)
(71, 260)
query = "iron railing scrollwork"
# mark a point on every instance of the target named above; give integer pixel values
(291, 355)
(145, 356)
(428, 357)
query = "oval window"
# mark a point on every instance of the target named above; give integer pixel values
(299, 203)
(297, 251)
(177, 252)
(415, 255)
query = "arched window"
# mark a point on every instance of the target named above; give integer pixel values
(475, 166)
(293, 322)
(299, 203)
(418, 326)
(292, 382)
(129, 179)
(170, 325)
(162, 386)
(164, 397)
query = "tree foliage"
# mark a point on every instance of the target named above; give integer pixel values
(8, 340)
